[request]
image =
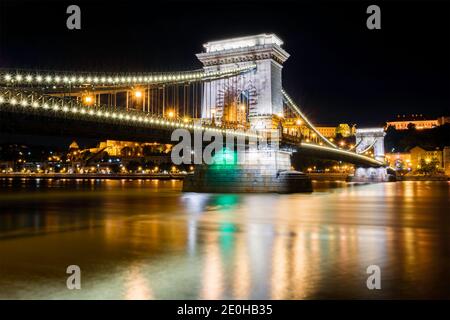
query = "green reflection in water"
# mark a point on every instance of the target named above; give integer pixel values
(227, 201)
(226, 238)
(225, 159)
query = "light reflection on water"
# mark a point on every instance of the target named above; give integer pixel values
(147, 240)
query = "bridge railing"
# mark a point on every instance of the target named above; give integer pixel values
(42, 78)
(32, 102)
(297, 110)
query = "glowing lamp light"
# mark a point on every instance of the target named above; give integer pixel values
(298, 122)
(138, 94)
(170, 114)
(88, 100)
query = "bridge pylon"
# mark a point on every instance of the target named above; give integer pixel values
(368, 138)
(257, 93)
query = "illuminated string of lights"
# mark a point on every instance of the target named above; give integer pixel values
(368, 147)
(292, 104)
(320, 147)
(60, 78)
(349, 153)
(60, 106)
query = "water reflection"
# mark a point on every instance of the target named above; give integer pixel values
(147, 240)
(137, 286)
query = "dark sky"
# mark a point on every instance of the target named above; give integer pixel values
(339, 71)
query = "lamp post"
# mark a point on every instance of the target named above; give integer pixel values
(213, 112)
(138, 97)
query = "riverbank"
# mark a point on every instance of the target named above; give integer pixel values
(181, 176)
(423, 178)
(343, 177)
(328, 176)
(158, 176)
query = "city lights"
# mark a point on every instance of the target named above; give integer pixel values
(138, 94)
(121, 80)
(88, 100)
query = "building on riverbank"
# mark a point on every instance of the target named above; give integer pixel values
(420, 122)
(414, 159)
(446, 160)
(331, 131)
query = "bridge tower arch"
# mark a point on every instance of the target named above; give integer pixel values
(368, 138)
(262, 85)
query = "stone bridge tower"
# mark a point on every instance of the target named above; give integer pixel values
(257, 93)
(371, 137)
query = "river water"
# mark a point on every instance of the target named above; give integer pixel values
(145, 239)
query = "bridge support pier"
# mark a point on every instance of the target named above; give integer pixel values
(261, 171)
(371, 175)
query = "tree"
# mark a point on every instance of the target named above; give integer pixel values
(429, 167)
(399, 165)
(411, 126)
(133, 165)
(344, 130)
(391, 130)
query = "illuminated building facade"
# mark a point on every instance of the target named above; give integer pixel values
(419, 153)
(128, 149)
(446, 160)
(327, 132)
(344, 129)
(411, 160)
(399, 160)
(418, 120)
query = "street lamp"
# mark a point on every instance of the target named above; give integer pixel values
(213, 113)
(138, 94)
(88, 100)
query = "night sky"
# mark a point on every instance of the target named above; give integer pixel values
(339, 71)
